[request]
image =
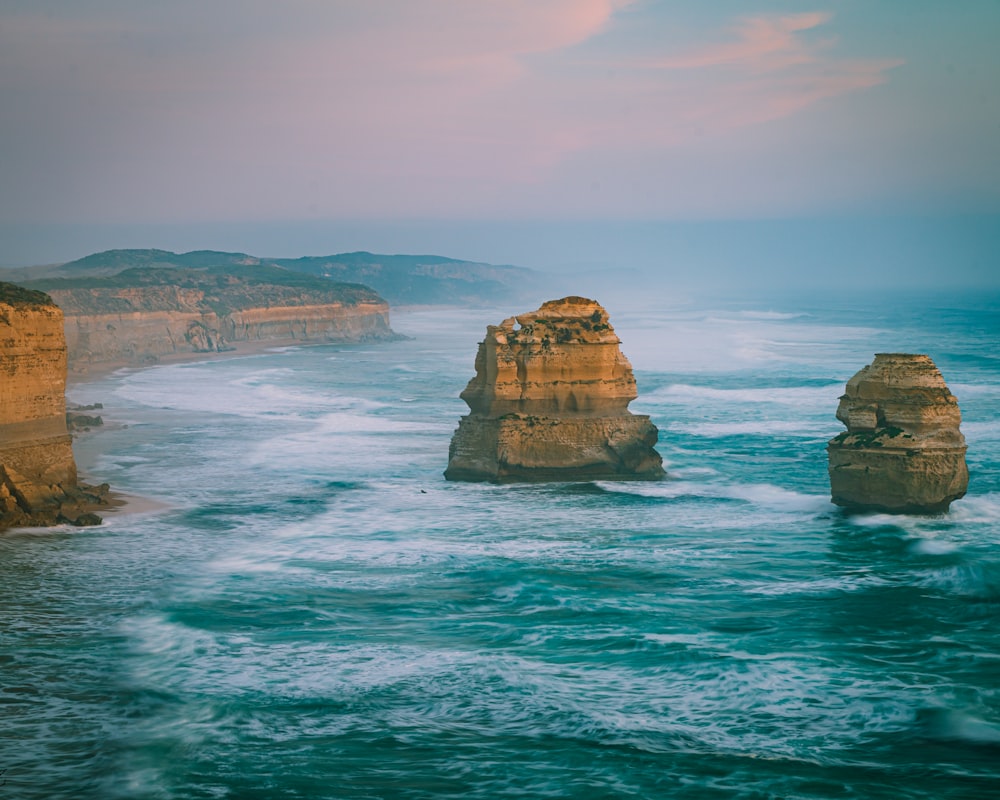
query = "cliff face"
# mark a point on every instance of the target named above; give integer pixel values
(38, 483)
(143, 336)
(902, 451)
(550, 402)
(140, 315)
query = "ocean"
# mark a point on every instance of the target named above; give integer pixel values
(314, 612)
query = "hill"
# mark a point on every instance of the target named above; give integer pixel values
(400, 279)
(220, 289)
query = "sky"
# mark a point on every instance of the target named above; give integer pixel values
(565, 134)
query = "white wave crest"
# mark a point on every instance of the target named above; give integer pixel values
(765, 495)
(800, 396)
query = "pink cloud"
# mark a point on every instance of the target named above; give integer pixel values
(364, 106)
(765, 42)
(769, 70)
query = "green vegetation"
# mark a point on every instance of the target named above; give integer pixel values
(14, 295)
(875, 438)
(398, 278)
(222, 289)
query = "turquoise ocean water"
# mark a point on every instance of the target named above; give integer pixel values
(317, 614)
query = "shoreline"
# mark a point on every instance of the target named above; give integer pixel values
(126, 504)
(122, 503)
(77, 376)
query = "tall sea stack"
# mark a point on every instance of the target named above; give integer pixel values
(902, 451)
(549, 402)
(38, 482)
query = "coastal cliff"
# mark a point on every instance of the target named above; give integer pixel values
(902, 451)
(549, 401)
(38, 479)
(140, 315)
(400, 279)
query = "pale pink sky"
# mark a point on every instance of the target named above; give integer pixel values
(117, 112)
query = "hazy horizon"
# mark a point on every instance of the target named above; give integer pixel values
(759, 143)
(756, 256)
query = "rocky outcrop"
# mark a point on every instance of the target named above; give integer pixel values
(38, 480)
(902, 451)
(144, 336)
(139, 316)
(550, 402)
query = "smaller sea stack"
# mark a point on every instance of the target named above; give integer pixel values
(902, 451)
(550, 402)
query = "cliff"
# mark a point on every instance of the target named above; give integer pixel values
(400, 279)
(139, 315)
(38, 481)
(550, 402)
(902, 451)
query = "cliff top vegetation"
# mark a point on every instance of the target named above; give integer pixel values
(410, 279)
(14, 295)
(221, 288)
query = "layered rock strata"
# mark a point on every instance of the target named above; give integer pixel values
(38, 480)
(140, 325)
(550, 402)
(902, 451)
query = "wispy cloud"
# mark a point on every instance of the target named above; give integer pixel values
(762, 69)
(760, 43)
(379, 106)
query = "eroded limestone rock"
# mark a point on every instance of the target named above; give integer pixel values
(550, 402)
(902, 451)
(38, 480)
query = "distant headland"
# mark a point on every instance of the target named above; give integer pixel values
(400, 279)
(137, 307)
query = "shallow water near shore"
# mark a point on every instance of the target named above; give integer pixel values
(316, 613)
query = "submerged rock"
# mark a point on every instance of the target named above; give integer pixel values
(902, 451)
(550, 402)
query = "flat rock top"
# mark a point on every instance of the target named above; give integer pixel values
(572, 306)
(570, 320)
(897, 373)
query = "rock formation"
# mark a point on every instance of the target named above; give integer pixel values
(902, 451)
(139, 315)
(550, 402)
(38, 482)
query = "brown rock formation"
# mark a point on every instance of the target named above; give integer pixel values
(144, 336)
(902, 451)
(141, 324)
(137, 315)
(550, 402)
(38, 482)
